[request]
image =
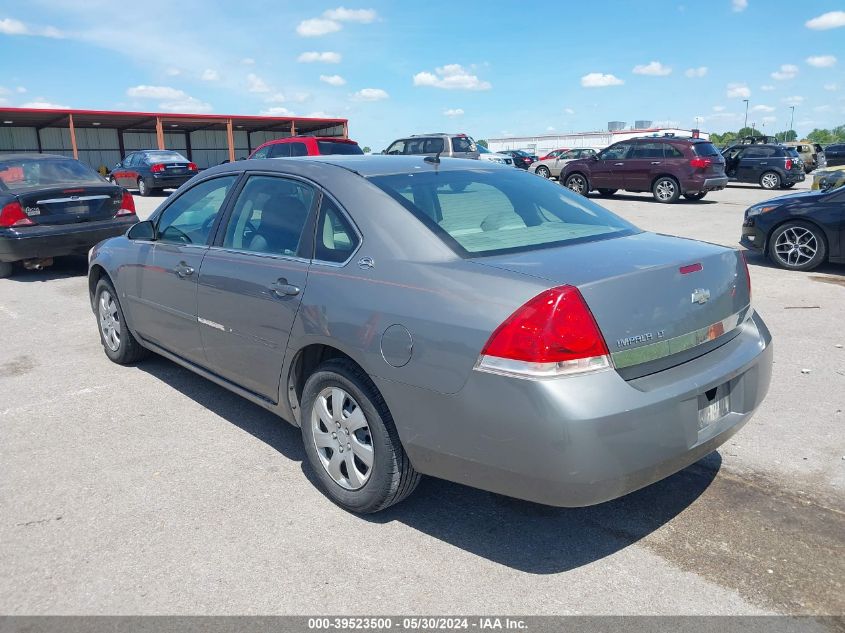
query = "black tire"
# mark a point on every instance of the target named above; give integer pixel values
(5, 269)
(695, 195)
(789, 186)
(770, 180)
(144, 189)
(577, 183)
(806, 237)
(128, 349)
(392, 477)
(666, 189)
(607, 192)
(543, 171)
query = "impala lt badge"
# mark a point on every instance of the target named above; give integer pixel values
(700, 296)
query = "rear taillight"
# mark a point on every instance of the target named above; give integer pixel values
(13, 215)
(127, 205)
(192, 166)
(788, 163)
(157, 168)
(554, 334)
(747, 274)
(702, 163)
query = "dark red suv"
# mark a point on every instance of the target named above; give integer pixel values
(668, 166)
(306, 146)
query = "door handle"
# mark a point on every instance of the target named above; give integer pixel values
(618, 164)
(764, 163)
(656, 162)
(282, 288)
(183, 270)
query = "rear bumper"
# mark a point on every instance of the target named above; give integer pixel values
(715, 184)
(54, 241)
(791, 177)
(582, 440)
(168, 182)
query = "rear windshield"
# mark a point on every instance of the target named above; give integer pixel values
(334, 147)
(705, 149)
(25, 174)
(164, 157)
(483, 212)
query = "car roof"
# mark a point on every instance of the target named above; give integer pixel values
(32, 156)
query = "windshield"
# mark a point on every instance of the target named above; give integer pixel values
(481, 212)
(337, 147)
(24, 174)
(164, 157)
(484, 150)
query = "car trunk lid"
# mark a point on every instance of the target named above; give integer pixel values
(658, 300)
(68, 205)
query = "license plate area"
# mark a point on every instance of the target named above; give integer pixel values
(713, 405)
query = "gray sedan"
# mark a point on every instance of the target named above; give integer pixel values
(551, 167)
(457, 319)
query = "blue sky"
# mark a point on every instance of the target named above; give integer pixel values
(489, 68)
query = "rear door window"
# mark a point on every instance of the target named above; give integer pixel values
(279, 150)
(647, 150)
(298, 149)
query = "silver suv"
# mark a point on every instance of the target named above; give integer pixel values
(447, 145)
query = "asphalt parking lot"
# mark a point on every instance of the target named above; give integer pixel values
(149, 490)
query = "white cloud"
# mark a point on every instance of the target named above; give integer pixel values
(10, 26)
(254, 83)
(568, 111)
(738, 91)
(453, 112)
(821, 61)
(830, 20)
(787, 71)
(696, 72)
(40, 103)
(248, 61)
(342, 14)
(652, 68)
(451, 77)
(276, 111)
(600, 80)
(188, 104)
(794, 100)
(762, 108)
(209, 74)
(551, 128)
(316, 27)
(326, 57)
(155, 92)
(277, 97)
(719, 108)
(831, 87)
(333, 80)
(739, 5)
(370, 94)
(767, 88)
(321, 115)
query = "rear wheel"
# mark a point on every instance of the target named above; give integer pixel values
(143, 189)
(577, 183)
(5, 269)
(607, 192)
(543, 171)
(666, 190)
(351, 442)
(797, 246)
(770, 180)
(119, 344)
(695, 195)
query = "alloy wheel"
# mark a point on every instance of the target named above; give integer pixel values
(342, 438)
(577, 184)
(770, 181)
(665, 190)
(796, 246)
(542, 171)
(109, 320)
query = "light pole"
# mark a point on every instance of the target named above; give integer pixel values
(746, 113)
(791, 118)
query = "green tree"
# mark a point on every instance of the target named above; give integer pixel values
(747, 131)
(366, 149)
(821, 136)
(785, 137)
(481, 142)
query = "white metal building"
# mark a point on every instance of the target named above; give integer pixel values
(545, 143)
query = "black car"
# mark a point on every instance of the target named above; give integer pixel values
(520, 159)
(152, 170)
(54, 205)
(770, 165)
(799, 231)
(835, 154)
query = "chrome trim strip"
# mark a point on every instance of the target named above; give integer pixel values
(76, 199)
(661, 349)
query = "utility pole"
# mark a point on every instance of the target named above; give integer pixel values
(792, 118)
(746, 113)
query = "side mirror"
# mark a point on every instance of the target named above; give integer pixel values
(142, 231)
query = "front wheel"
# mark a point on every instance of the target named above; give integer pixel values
(695, 195)
(770, 180)
(351, 441)
(666, 190)
(5, 269)
(543, 171)
(143, 189)
(797, 246)
(118, 343)
(577, 183)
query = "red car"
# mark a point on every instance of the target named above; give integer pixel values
(555, 153)
(306, 146)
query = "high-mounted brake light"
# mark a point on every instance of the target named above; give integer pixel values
(127, 205)
(700, 162)
(157, 168)
(12, 214)
(554, 334)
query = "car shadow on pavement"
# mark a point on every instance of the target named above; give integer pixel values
(757, 259)
(647, 197)
(519, 534)
(62, 268)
